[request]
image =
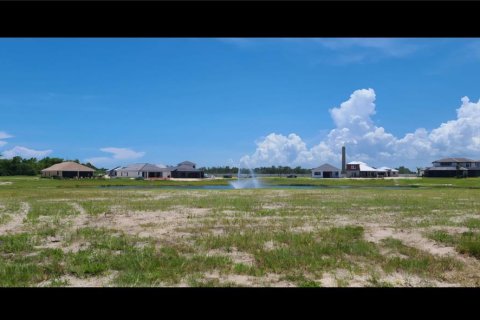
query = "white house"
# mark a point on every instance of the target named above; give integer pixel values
(326, 171)
(389, 172)
(141, 170)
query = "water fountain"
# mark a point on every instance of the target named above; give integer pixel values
(243, 183)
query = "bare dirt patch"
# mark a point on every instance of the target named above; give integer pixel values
(15, 224)
(78, 208)
(73, 281)
(269, 280)
(272, 206)
(304, 228)
(235, 255)
(328, 280)
(408, 280)
(157, 224)
(464, 217)
(409, 238)
(59, 243)
(273, 245)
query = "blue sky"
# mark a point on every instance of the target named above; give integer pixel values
(231, 101)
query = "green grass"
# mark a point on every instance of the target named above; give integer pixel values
(15, 243)
(50, 209)
(469, 243)
(417, 262)
(303, 226)
(466, 242)
(472, 223)
(306, 252)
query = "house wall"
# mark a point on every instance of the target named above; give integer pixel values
(187, 174)
(75, 174)
(453, 164)
(143, 174)
(52, 174)
(474, 173)
(317, 174)
(67, 174)
(353, 173)
(129, 174)
(166, 174)
(361, 174)
(320, 174)
(443, 173)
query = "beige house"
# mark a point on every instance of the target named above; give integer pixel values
(68, 169)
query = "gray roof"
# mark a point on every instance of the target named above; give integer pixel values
(184, 168)
(326, 167)
(187, 163)
(133, 167)
(455, 160)
(444, 169)
(153, 168)
(143, 167)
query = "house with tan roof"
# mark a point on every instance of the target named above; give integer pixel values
(68, 169)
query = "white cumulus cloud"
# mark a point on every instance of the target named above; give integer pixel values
(117, 154)
(367, 142)
(123, 153)
(4, 135)
(25, 153)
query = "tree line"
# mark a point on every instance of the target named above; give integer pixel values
(274, 170)
(259, 170)
(18, 166)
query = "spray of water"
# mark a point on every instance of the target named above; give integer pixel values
(243, 183)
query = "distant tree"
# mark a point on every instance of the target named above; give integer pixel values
(404, 170)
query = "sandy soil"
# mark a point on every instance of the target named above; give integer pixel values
(16, 223)
(168, 227)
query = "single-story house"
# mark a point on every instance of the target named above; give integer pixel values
(326, 171)
(388, 172)
(186, 169)
(68, 169)
(453, 167)
(113, 172)
(140, 170)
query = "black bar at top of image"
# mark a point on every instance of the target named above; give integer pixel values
(238, 19)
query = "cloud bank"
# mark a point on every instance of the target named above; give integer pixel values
(367, 142)
(25, 153)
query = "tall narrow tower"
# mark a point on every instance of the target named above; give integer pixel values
(343, 160)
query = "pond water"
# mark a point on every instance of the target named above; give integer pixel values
(229, 187)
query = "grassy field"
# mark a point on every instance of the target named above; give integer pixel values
(82, 233)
